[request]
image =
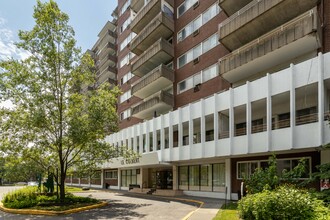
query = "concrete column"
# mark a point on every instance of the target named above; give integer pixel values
(180, 133)
(231, 119)
(292, 104)
(203, 129)
(216, 125)
(102, 179)
(147, 137)
(134, 138)
(175, 177)
(191, 129)
(154, 135)
(162, 137)
(170, 134)
(119, 178)
(320, 97)
(228, 177)
(269, 112)
(141, 138)
(248, 118)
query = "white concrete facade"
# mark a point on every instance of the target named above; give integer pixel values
(316, 70)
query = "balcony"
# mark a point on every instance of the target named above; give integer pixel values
(107, 49)
(160, 26)
(158, 79)
(109, 60)
(259, 17)
(160, 52)
(136, 5)
(106, 73)
(232, 6)
(294, 39)
(147, 14)
(161, 104)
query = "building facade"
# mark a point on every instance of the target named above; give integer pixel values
(212, 88)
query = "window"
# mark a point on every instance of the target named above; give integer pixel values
(198, 78)
(125, 24)
(126, 59)
(125, 7)
(128, 177)
(127, 95)
(245, 169)
(126, 41)
(125, 114)
(197, 51)
(111, 174)
(125, 78)
(205, 177)
(185, 6)
(198, 22)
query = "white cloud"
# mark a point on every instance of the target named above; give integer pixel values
(7, 46)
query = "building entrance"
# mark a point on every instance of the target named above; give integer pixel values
(162, 179)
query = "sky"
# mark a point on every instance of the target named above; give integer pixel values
(87, 17)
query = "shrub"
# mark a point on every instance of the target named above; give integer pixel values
(285, 202)
(21, 198)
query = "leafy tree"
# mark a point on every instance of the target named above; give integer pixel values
(53, 122)
(21, 170)
(269, 179)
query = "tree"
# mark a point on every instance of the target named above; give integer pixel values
(53, 122)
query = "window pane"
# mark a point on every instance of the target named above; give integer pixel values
(182, 60)
(197, 79)
(281, 165)
(219, 177)
(206, 177)
(242, 170)
(194, 177)
(197, 23)
(183, 178)
(197, 51)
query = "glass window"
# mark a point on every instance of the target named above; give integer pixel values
(197, 79)
(197, 23)
(283, 165)
(219, 177)
(210, 43)
(182, 60)
(194, 177)
(206, 177)
(183, 177)
(210, 73)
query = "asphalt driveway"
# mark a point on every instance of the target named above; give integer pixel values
(121, 206)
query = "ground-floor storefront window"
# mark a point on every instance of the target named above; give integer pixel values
(206, 177)
(128, 177)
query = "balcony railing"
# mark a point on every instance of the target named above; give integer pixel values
(232, 6)
(156, 80)
(161, 103)
(258, 18)
(160, 26)
(160, 52)
(304, 29)
(147, 13)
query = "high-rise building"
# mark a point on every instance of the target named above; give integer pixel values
(212, 88)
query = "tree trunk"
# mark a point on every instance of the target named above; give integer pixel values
(62, 182)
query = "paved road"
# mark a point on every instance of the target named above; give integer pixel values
(121, 206)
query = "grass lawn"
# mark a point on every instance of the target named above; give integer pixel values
(227, 213)
(72, 189)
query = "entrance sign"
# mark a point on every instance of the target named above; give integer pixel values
(143, 160)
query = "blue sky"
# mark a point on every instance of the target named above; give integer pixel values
(86, 16)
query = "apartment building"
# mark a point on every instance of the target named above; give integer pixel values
(212, 88)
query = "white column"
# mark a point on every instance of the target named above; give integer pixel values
(228, 177)
(135, 138)
(141, 138)
(162, 137)
(154, 135)
(147, 137)
(102, 178)
(248, 118)
(231, 119)
(269, 112)
(119, 178)
(170, 134)
(320, 97)
(175, 177)
(215, 124)
(292, 104)
(203, 129)
(191, 129)
(180, 131)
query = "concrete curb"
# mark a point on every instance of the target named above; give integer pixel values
(51, 213)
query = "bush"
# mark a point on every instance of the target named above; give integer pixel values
(22, 198)
(285, 202)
